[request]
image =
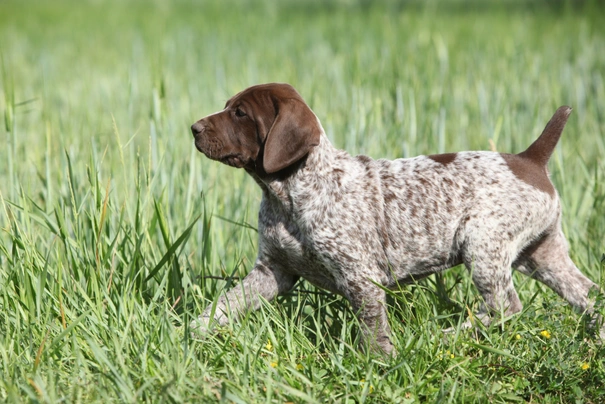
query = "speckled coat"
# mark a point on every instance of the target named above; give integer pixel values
(353, 224)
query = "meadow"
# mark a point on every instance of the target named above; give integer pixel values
(115, 232)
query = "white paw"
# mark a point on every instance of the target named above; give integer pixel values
(200, 327)
(464, 326)
(473, 322)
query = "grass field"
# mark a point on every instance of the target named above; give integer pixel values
(115, 232)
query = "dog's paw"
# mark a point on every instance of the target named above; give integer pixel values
(200, 327)
(475, 320)
(452, 330)
(382, 346)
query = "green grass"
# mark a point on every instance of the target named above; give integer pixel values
(115, 232)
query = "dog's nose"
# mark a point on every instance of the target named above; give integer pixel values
(197, 128)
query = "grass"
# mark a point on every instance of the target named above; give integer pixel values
(115, 232)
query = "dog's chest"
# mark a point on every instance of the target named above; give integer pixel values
(283, 242)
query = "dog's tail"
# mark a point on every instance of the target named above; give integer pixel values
(540, 151)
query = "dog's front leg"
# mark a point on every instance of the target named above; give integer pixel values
(262, 281)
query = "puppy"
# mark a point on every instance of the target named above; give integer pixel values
(354, 225)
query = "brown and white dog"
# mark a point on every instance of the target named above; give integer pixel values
(353, 224)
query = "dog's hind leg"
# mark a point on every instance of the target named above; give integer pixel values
(548, 261)
(369, 303)
(490, 266)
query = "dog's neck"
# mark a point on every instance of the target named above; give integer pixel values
(291, 184)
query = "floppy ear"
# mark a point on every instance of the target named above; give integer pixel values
(293, 133)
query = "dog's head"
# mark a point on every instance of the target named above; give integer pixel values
(266, 127)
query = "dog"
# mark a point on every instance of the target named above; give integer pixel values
(355, 226)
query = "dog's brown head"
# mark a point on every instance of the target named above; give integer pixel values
(265, 128)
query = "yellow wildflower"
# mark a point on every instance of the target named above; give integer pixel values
(517, 337)
(269, 346)
(545, 334)
(299, 366)
(273, 364)
(371, 389)
(585, 366)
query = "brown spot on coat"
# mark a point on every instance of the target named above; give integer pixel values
(444, 159)
(529, 172)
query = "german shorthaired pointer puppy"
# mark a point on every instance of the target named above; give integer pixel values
(353, 225)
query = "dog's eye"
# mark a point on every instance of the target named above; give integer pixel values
(239, 112)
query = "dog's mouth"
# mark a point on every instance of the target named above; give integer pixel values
(211, 147)
(214, 153)
(198, 147)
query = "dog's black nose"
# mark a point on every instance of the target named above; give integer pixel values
(197, 128)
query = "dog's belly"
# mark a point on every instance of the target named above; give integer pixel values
(418, 257)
